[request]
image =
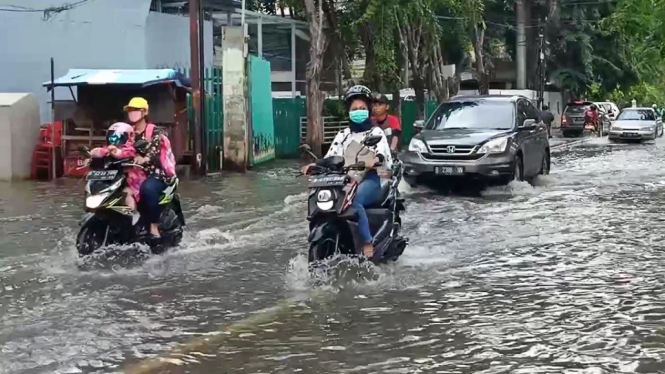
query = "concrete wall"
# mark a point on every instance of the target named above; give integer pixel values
(19, 117)
(118, 34)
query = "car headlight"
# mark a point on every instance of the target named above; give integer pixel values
(498, 145)
(650, 128)
(417, 145)
(616, 128)
(325, 205)
(94, 201)
(324, 196)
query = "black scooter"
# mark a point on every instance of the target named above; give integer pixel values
(334, 223)
(109, 221)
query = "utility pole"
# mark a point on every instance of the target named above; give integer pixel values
(195, 76)
(520, 50)
(203, 164)
(541, 66)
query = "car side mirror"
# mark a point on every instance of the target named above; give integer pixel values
(419, 124)
(371, 141)
(528, 123)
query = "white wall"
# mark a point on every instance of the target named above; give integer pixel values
(103, 34)
(167, 41)
(19, 122)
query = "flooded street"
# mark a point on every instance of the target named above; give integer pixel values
(567, 276)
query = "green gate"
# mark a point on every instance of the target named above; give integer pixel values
(260, 107)
(287, 113)
(213, 118)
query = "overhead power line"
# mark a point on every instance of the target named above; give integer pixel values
(47, 13)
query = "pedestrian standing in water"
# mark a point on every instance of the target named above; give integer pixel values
(547, 118)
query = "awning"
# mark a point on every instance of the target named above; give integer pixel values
(138, 77)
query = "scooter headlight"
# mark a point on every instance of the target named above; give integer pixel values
(94, 201)
(327, 205)
(325, 200)
(324, 196)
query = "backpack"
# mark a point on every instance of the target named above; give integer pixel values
(166, 156)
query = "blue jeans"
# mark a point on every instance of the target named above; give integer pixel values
(151, 191)
(366, 195)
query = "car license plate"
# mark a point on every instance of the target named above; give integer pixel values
(101, 175)
(449, 170)
(631, 134)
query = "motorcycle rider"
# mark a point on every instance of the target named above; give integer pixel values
(659, 112)
(591, 117)
(358, 101)
(159, 164)
(389, 123)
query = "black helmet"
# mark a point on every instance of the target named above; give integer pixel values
(593, 106)
(358, 92)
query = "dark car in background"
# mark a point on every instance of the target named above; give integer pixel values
(572, 118)
(495, 138)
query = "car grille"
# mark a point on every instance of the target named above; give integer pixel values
(452, 152)
(449, 149)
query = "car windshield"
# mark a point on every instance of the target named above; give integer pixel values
(637, 115)
(476, 114)
(576, 108)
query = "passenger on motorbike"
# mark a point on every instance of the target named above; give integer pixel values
(119, 145)
(358, 101)
(158, 162)
(389, 123)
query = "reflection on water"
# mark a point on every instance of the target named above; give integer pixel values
(564, 276)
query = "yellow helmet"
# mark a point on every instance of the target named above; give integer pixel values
(137, 103)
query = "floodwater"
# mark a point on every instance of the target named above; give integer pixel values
(567, 276)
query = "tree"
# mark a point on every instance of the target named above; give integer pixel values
(313, 76)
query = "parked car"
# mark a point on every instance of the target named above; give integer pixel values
(572, 118)
(636, 124)
(494, 138)
(610, 108)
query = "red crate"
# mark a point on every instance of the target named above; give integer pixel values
(73, 166)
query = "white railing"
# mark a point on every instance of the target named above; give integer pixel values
(331, 126)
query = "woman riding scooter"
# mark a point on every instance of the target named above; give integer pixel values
(358, 101)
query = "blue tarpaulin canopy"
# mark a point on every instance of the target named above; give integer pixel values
(138, 77)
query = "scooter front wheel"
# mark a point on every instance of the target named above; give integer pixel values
(89, 239)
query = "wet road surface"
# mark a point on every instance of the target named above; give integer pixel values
(567, 276)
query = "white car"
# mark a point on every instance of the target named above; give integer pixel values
(610, 108)
(636, 124)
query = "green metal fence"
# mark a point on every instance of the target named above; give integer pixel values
(286, 114)
(261, 111)
(213, 117)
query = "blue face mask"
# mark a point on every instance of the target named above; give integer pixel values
(359, 116)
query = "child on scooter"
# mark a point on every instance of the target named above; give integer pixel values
(120, 145)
